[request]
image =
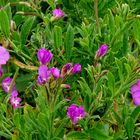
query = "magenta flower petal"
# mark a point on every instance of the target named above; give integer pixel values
(136, 94)
(136, 101)
(15, 102)
(6, 84)
(43, 75)
(135, 88)
(1, 72)
(81, 112)
(44, 56)
(76, 113)
(58, 13)
(4, 56)
(14, 93)
(76, 69)
(55, 73)
(102, 50)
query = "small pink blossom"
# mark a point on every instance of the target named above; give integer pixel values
(6, 84)
(58, 13)
(4, 56)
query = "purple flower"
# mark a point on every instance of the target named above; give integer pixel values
(43, 75)
(76, 69)
(76, 113)
(6, 84)
(14, 93)
(1, 72)
(14, 100)
(65, 69)
(135, 92)
(102, 50)
(55, 73)
(44, 56)
(81, 113)
(58, 13)
(4, 55)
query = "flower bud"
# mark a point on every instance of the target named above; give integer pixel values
(55, 73)
(44, 56)
(102, 51)
(65, 69)
(65, 86)
(76, 69)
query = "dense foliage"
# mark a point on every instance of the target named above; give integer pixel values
(69, 69)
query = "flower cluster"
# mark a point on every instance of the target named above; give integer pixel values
(45, 56)
(76, 113)
(14, 99)
(135, 91)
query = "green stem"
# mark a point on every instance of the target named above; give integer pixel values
(13, 80)
(11, 85)
(96, 16)
(7, 130)
(18, 50)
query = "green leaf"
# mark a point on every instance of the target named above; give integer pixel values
(118, 118)
(7, 136)
(16, 120)
(126, 26)
(8, 11)
(4, 23)
(57, 37)
(59, 131)
(23, 78)
(2, 2)
(69, 42)
(120, 69)
(127, 67)
(111, 22)
(98, 134)
(77, 135)
(23, 82)
(84, 86)
(25, 30)
(135, 113)
(125, 43)
(111, 82)
(129, 126)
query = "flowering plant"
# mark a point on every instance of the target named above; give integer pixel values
(69, 70)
